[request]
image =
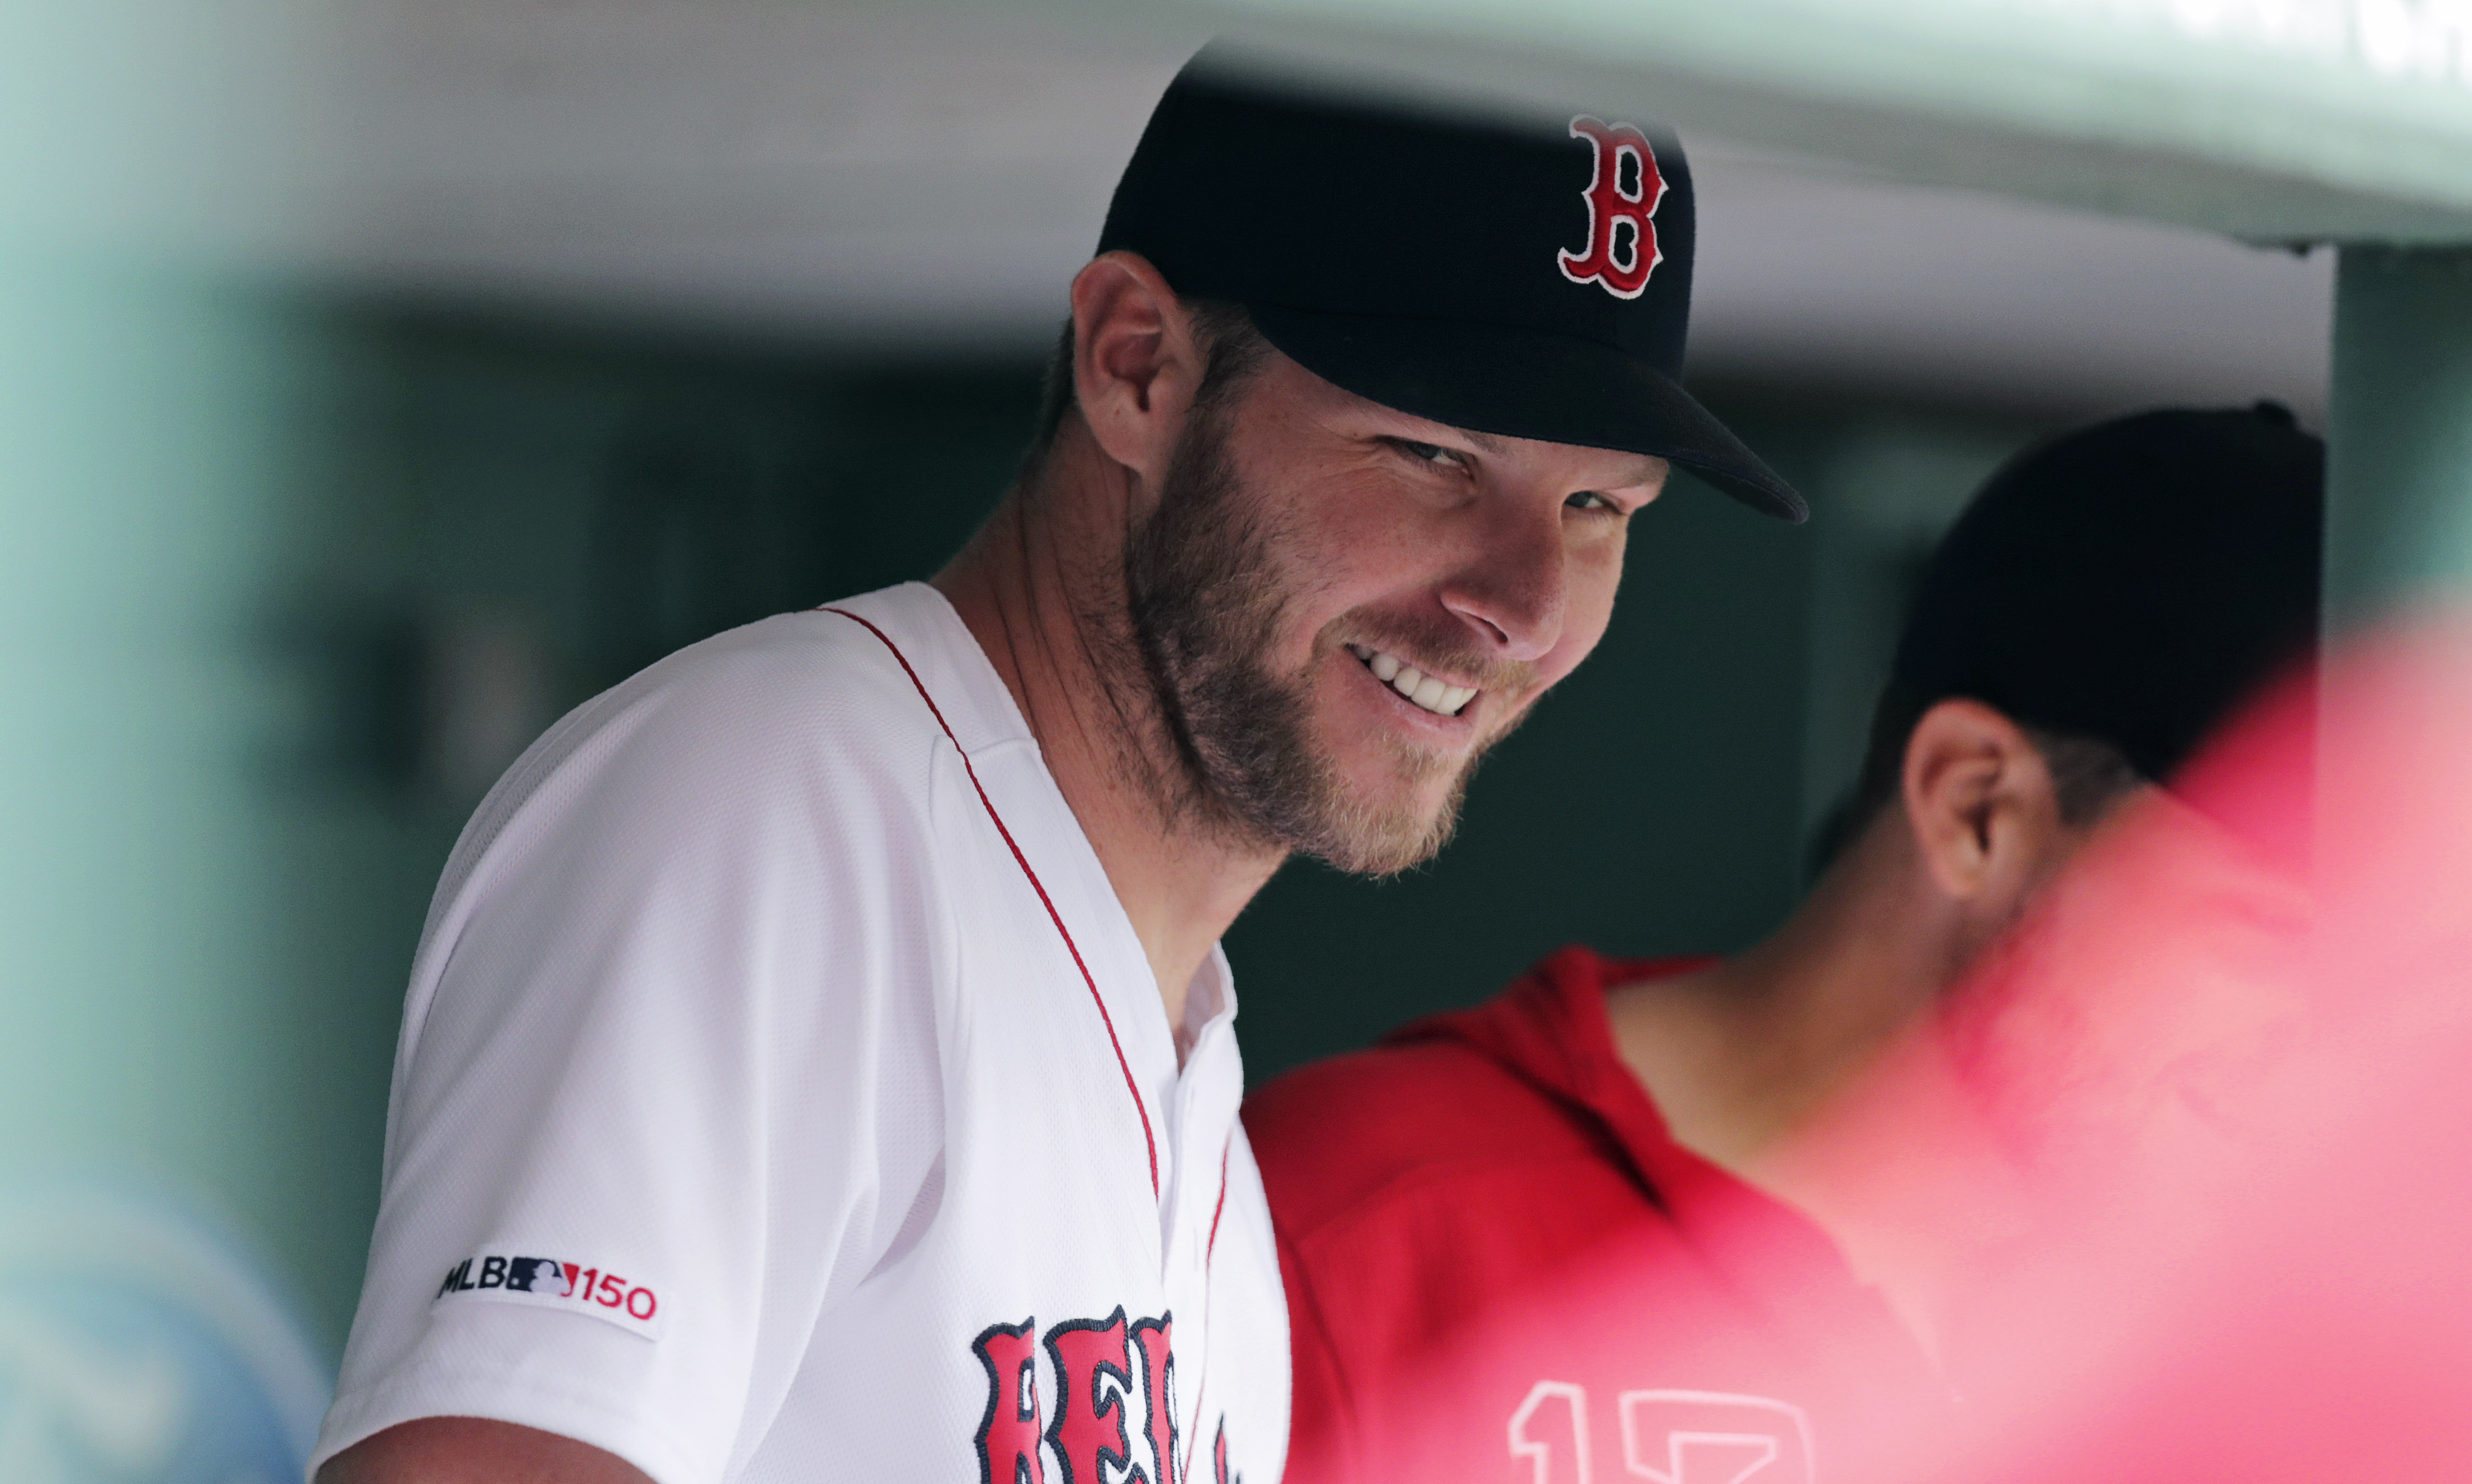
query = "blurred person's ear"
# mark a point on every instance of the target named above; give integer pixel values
(1981, 802)
(1136, 362)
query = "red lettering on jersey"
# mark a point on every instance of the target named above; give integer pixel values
(1219, 1454)
(1094, 1378)
(1159, 1372)
(1009, 1434)
(1617, 260)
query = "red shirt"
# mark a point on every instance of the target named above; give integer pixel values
(1501, 1267)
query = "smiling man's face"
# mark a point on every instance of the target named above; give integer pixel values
(1341, 607)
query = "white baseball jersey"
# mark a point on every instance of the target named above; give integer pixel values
(783, 1095)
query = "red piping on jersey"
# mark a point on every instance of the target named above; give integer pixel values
(1201, 1384)
(1220, 1209)
(1148, 1141)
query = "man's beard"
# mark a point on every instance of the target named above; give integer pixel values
(1204, 598)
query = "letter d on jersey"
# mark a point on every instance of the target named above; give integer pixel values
(1621, 250)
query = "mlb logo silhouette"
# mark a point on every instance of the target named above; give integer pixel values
(1667, 1437)
(538, 1275)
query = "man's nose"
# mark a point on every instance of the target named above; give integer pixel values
(1512, 592)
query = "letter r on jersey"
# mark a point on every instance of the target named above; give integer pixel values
(1009, 1434)
(1621, 250)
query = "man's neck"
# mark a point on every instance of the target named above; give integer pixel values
(1749, 1061)
(1034, 588)
(1739, 1054)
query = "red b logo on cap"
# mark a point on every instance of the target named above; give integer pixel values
(1617, 260)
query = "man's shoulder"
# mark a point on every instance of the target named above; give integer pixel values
(887, 669)
(1335, 1138)
(872, 683)
(792, 740)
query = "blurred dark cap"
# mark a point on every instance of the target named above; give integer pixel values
(2133, 581)
(1526, 281)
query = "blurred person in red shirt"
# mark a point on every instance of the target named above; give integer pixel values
(1665, 1219)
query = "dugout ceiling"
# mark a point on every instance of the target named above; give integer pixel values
(2269, 120)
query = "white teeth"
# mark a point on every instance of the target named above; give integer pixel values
(1427, 690)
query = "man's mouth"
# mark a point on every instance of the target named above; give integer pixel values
(1426, 690)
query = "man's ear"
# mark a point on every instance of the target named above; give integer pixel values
(1978, 797)
(1135, 364)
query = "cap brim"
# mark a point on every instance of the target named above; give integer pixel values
(1526, 384)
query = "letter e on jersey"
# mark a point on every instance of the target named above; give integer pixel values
(1109, 1376)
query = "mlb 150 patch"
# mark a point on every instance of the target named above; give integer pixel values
(554, 1282)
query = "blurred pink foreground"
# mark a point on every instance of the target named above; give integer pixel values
(2180, 1185)
(2191, 1158)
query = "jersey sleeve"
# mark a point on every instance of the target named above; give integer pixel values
(668, 1081)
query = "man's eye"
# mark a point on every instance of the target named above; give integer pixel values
(1590, 500)
(1429, 452)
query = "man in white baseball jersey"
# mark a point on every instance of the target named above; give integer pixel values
(818, 1063)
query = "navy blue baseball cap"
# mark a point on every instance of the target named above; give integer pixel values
(1503, 278)
(2133, 580)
